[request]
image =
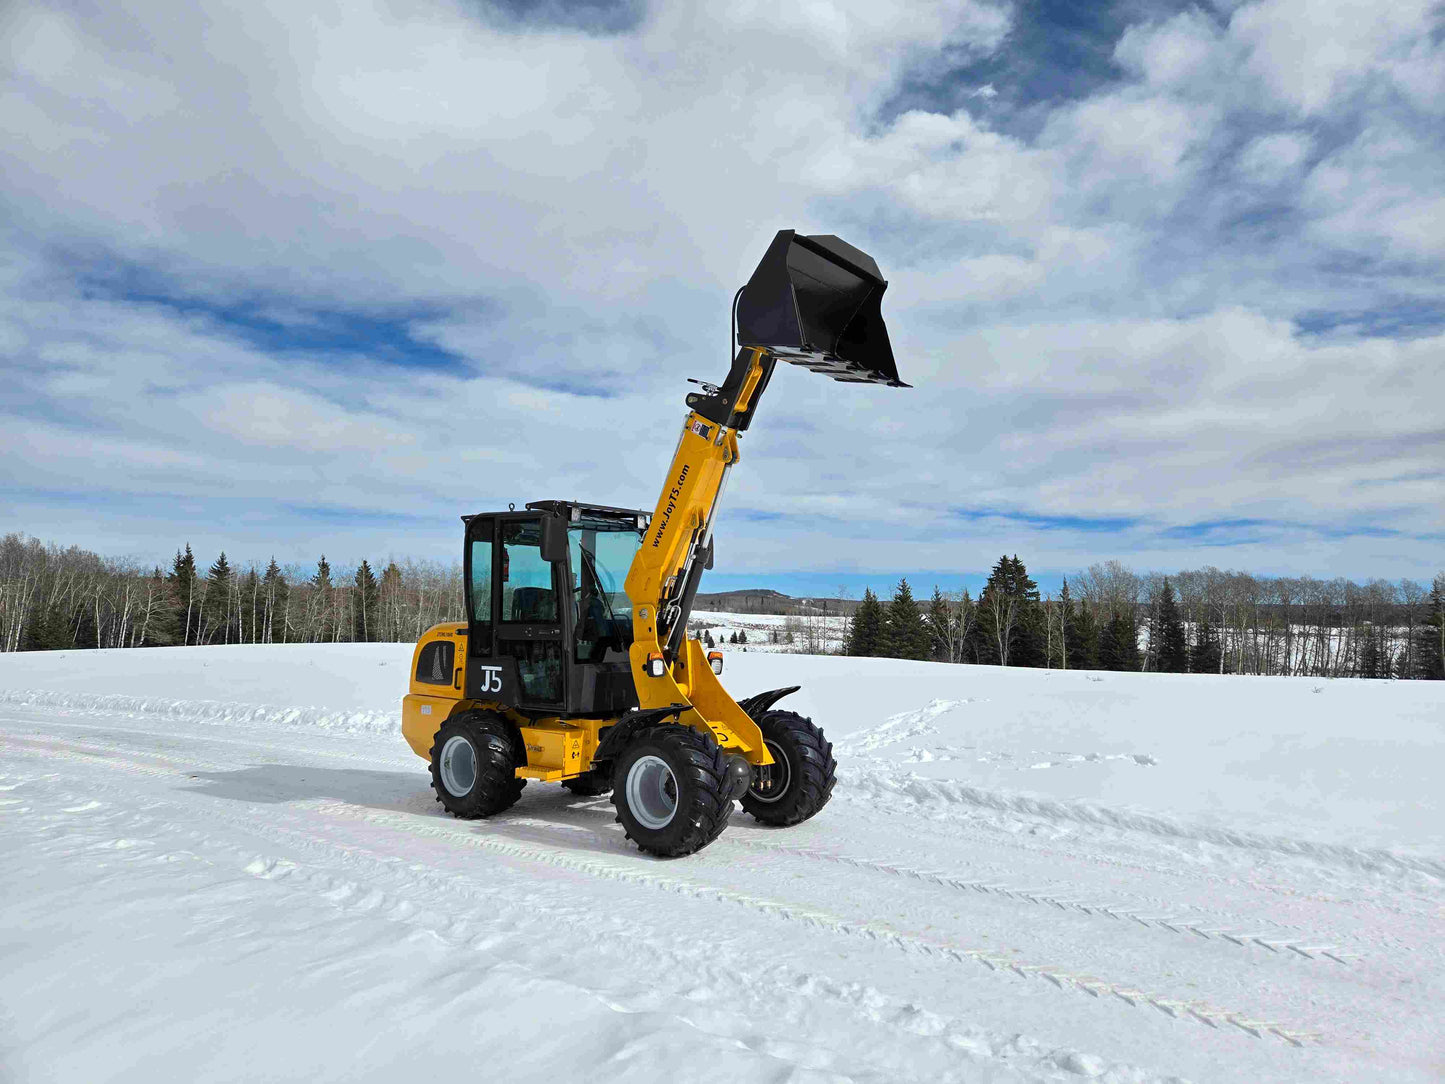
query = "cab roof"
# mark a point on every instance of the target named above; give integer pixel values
(574, 510)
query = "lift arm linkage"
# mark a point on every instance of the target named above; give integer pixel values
(665, 573)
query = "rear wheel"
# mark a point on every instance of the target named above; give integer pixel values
(671, 790)
(800, 780)
(473, 765)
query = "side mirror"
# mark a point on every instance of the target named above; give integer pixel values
(554, 538)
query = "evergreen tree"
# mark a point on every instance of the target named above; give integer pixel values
(1119, 644)
(321, 600)
(1084, 640)
(1206, 654)
(183, 616)
(49, 630)
(1010, 617)
(742, 636)
(905, 636)
(772, 636)
(1430, 636)
(733, 637)
(1064, 652)
(1372, 659)
(216, 607)
(865, 635)
(1129, 642)
(363, 613)
(707, 638)
(1173, 649)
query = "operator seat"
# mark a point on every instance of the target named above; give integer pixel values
(534, 604)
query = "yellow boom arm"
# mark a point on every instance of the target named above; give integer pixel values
(677, 539)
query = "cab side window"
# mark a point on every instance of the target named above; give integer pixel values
(435, 663)
(527, 593)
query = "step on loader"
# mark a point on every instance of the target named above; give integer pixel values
(574, 665)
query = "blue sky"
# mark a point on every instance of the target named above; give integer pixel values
(294, 278)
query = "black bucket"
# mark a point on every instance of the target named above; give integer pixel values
(816, 302)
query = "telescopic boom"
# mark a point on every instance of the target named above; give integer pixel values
(815, 302)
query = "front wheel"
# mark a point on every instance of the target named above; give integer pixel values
(800, 780)
(671, 790)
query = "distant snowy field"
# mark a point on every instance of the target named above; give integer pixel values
(224, 864)
(823, 632)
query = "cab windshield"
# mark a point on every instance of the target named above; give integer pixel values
(601, 557)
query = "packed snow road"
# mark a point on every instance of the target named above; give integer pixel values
(224, 864)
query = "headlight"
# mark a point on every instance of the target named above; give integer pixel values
(714, 659)
(656, 665)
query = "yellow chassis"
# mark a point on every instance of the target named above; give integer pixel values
(560, 748)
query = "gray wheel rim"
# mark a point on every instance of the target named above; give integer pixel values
(781, 775)
(459, 766)
(652, 792)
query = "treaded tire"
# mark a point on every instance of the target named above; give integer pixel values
(591, 784)
(495, 759)
(699, 770)
(811, 770)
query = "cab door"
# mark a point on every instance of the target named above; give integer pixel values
(528, 599)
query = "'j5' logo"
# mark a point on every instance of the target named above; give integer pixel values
(491, 679)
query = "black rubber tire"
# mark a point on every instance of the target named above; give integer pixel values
(699, 768)
(495, 748)
(591, 784)
(811, 770)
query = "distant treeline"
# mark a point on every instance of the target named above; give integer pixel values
(54, 598)
(1109, 617)
(1199, 621)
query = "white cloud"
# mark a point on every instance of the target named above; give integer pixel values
(1274, 158)
(1308, 53)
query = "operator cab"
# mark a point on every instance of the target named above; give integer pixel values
(549, 623)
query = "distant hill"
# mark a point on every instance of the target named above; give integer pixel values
(763, 600)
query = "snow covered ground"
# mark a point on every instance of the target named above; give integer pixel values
(223, 864)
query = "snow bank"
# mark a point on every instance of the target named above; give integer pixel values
(208, 711)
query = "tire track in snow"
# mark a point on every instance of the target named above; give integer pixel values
(1280, 938)
(1257, 935)
(1275, 941)
(440, 919)
(873, 785)
(486, 838)
(1249, 877)
(490, 836)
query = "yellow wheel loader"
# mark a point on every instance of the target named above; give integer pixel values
(573, 664)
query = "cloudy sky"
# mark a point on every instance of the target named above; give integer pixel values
(293, 277)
